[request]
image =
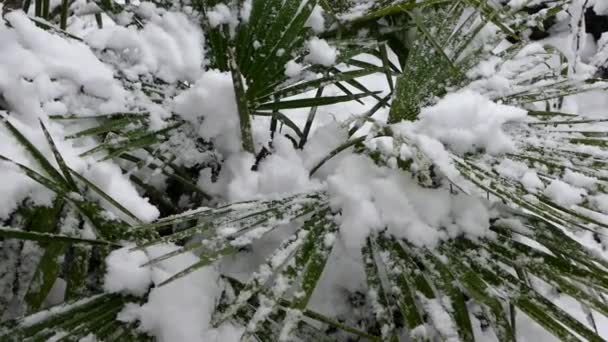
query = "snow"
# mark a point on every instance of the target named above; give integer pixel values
(170, 47)
(293, 69)
(437, 153)
(320, 52)
(43, 75)
(43, 315)
(441, 320)
(517, 4)
(459, 123)
(246, 11)
(180, 310)
(520, 172)
(466, 121)
(109, 177)
(221, 14)
(511, 169)
(125, 274)
(56, 294)
(470, 216)
(600, 202)
(531, 182)
(280, 174)
(89, 338)
(284, 172)
(316, 21)
(42, 67)
(528, 330)
(81, 8)
(15, 187)
(371, 198)
(322, 141)
(358, 9)
(564, 194)
(210, 106)
(601, 7)
(580, 180)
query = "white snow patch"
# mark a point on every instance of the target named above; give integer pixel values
(279, 174)
(519, 171)
(182, 309)
(531, 182)
(600, 202)
(467, 121)
(246, 11)
(510, 168)
(372, 198)
(110, 179)
(320, 52)
(37, 67)
(321, 142)
(580, 180)
(461, 122)
(16, 185)
(221, 14)
(125, 274)
(564, 194)
(316, 21)
(293, 69)
(210, 105)
(171, 47)
(436, 152)
(441, 320)
(601, 7)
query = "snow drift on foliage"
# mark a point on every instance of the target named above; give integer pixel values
(520, 172)
(280, 174)
(125, 274)
(178, 311)
(38, 69)
(210, 105)
(45, 74)
(564, 194)
(169, 46)
(371, 198)
(320, 52)
(316, 21)
(109, 177)
(460, 122)
(467, 121)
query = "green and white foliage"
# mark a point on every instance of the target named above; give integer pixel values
(173, 180)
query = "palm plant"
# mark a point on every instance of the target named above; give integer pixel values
(462, 287)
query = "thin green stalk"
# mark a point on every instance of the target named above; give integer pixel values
(242, 105)
(65, 6)
(309, 120)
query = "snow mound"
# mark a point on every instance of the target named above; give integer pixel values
(371, 198)
(182, 309)
(109, 177)
(37, 68)
(320, 52)
(125, 274)
(564, 194)
(169, 46)
(210, 105)
(467, 121)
